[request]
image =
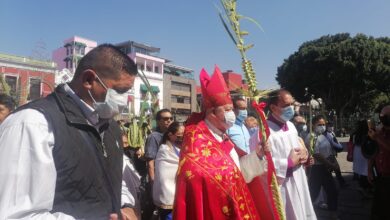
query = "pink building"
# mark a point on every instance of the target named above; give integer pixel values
(72, 51)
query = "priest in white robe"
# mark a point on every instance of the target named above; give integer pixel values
(289, 157)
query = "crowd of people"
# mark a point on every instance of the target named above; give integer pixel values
(65, 157)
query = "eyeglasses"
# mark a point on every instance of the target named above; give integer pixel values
(167, 118)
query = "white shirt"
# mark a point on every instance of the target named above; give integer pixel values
(166, 165)
(27, 171)
(130, 185)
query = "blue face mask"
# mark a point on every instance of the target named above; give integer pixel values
(287, 113)
(242, 115)
(253, 130)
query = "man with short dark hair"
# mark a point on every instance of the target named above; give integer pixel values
(7, 105)
(61, 156)
(289, 154)
(164, 119)
(301, 126)
(238, 133)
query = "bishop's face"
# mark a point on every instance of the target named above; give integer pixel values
(225, 117)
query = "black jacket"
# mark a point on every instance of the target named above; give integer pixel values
(89, 167)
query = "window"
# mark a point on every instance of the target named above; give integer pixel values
(181, 86)
(156, 70)
(180, 99)
(140, 66)
(149, 68)
(12, 83)
(35, 88)
(83, 51)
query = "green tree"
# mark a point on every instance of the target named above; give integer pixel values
(348, 73)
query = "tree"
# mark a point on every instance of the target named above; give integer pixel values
(348, 73)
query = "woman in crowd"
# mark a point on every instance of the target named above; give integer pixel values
(360, 163)
(166, 164)
(321, 171)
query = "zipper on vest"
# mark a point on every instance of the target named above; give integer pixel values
(104, 149)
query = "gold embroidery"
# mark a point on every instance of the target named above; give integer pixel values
(189, 174)
(246, 216)
(225, 210)
(206, 152)
(191, 155)
(242, 206)
(181, 163)
(218, 177)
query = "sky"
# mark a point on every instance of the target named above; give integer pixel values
(189, 33)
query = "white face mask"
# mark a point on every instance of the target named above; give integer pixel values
(320, 129)
(113, 104)
(230, 118)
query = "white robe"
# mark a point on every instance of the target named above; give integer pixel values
(164, 186)
(294, 189)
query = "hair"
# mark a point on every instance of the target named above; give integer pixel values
(274, 97)
(317, 118)
(7, 101)
(329, 124)
(239, 98)
(108, 61)
(172, 129)
(159, 113)
(361, 132)
(295, 118)
(250, 119)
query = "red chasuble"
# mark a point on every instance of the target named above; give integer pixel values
(209, 184)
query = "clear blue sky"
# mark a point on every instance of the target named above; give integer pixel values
(189, 32)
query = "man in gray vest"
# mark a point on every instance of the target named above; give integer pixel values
(61, 156)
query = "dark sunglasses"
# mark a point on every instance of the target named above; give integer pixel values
(167, 118)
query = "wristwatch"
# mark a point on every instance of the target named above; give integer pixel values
(127, 205)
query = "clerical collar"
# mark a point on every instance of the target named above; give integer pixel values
(218, 134)
(282, 125)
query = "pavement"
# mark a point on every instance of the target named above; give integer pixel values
(352, 204)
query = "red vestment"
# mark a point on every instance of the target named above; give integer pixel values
(209, 184)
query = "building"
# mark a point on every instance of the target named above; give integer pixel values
(25, 78)
(234, 82)
(151, 65)
(71, 52)
(179, 91)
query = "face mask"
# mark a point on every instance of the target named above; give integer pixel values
(320, 129)
(242, 115)
(385, 120)
(230, 118)
(113, 104)
(253, 130)
(301, 127)
(287, 113)
(330, 129)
